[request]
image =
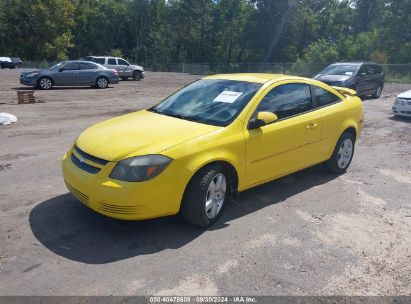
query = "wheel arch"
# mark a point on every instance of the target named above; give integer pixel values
(46, 76)
(232, 175)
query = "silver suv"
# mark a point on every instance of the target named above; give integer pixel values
(124, 69)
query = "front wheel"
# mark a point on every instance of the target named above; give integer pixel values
(342, 155)
(102, 82)
(378, 92)
(137, 75)
(45, 83)
(205, 196)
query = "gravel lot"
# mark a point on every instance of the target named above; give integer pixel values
(308, 234)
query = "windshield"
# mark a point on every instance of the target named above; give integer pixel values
(340, 70)
(57, 66)
(209, 101)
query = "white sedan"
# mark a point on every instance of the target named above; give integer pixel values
(402, 105)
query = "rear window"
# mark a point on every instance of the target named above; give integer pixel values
(112, 61)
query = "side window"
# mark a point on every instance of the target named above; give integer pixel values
(369, 70)
(324, 97)
(377, 70)
(100, 60)
(122, 62)
(287, 100)
(71, 66)
(87, 66)
(112, 61)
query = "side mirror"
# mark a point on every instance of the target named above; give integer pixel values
(263, 118)
(61, 69)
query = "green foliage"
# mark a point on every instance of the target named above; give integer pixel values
(116, 53)
(219, 31)
(322, 52)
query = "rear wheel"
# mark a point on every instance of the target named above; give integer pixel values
(205, 196)
(102, 82)
(343, 154)
(45, 83)
(137, 75)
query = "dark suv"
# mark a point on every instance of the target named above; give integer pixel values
(10, 62)
(367, 78)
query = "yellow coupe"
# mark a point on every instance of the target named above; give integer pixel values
(209, 141)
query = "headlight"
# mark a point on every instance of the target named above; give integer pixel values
(400, 101)
(140, 168)
(31, 74)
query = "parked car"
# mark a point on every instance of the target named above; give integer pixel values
(124, 69)
(10, 62)
(402, 105)
(367, 78)
(71, 73)
(207, 142)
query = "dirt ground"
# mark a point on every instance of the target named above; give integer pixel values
(308, 234)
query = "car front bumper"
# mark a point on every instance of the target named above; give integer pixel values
(29, 81)
(402, 110)
(158, 197)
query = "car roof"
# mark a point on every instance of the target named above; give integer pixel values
(254, 77)
(354, 62)
(79, 61)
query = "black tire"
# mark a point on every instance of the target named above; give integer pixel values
(102, 82)
(137, 75)
(193, 207)
(339, 161)
(378, 92)
(45, 83)
(124, 78)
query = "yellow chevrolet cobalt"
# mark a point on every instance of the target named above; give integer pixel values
(214, 138)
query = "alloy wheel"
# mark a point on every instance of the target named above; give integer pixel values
(215, 196)
(345, 153)
(45, 83)
(102, 83)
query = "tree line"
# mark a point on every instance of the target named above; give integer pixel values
(212, 31)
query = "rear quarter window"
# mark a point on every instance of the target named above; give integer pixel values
(324, 97)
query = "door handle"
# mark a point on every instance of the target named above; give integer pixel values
(312, 126)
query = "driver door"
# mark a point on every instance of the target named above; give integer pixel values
(67, 74)
(288, 144)
(122, 67)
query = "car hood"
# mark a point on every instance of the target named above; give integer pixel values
(137, 67)
(332, 78)
(138, 133)
(46, 71)
(406, 95)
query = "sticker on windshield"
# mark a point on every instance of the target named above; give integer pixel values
(228, 96)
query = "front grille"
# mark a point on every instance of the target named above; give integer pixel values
(110, 208)
(91, 157)
(77, 194)
(82, 165)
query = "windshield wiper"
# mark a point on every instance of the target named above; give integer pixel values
(180, 116)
